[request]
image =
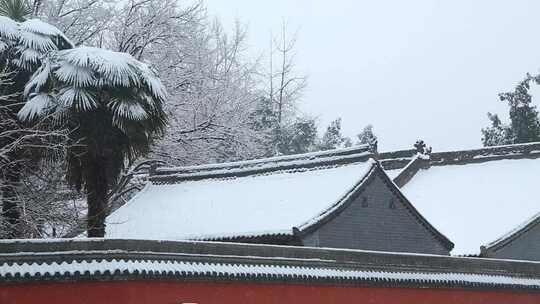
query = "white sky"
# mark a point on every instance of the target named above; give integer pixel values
(414, 69)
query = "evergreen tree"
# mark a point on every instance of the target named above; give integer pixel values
(266, 123)
(347, 142)
(298, 137)
(367, 137)
(113, 103)
(497, 134)
(524, 122)
(332, 138)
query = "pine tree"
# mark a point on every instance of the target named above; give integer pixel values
(367, 137)
(332, 138)
(265, 122)
(497, 134)
(524, 121)
(298, 137)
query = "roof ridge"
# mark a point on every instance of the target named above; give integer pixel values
(514, 151)
(317, 160)
(258, 161)
(400, 159)
(135, 259)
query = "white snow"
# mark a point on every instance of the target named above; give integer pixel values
(515, 230)
(8, 28)
(129, 110)
(252, 205)
(113, 68)
(82, 70)
(393, 173)
(80, 99)
(37, 42)
(39, 27)
(71, 73)
(31, 39)
(327, 155)
(34, 107)
(475, 204)
(181, 268)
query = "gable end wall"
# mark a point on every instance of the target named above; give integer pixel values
(377, 226)
(524, 247)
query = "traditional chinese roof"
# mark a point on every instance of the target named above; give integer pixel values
(109, 260)
(262, 200)
(475, 196)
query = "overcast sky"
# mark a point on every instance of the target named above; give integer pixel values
(414, 69)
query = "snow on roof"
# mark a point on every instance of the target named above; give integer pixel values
(106, 259)
(284, 272)
(393, 173)
(272, 202)
(474, 204)
(534, 220)
(270, 163)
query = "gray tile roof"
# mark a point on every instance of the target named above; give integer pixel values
(67, 260)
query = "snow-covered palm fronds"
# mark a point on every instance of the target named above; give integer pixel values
(86, 79)
(114, 106)
(16, 9)
(24, 44)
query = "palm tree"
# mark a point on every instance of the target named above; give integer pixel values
(114, 104)
(15, 9)
(22, 47)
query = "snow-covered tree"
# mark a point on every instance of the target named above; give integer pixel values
(114, 105)
(214, 93)
(332, 138)
(497, 134)
(214, 84)
(524, 121)
(83, 21)
(298, 137)
(367, 137)
(17, 10)
(22, 47)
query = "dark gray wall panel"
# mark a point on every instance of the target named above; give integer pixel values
(376, 220)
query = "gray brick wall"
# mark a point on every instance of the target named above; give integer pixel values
(371, 223)
(525, 247)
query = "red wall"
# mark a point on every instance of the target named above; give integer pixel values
(237, 293)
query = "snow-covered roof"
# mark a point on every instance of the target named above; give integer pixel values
(474, 202)
(254, 198)
(91, 259)
(514, 233)
(393, 173)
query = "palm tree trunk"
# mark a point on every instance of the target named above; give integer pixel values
(10, 210)
(97, 201)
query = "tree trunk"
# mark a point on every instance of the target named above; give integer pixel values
(10, 210)
(97, 201)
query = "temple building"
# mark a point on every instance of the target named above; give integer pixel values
(339, 199)
(483, 200)
(341, 226)
(468, 203)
